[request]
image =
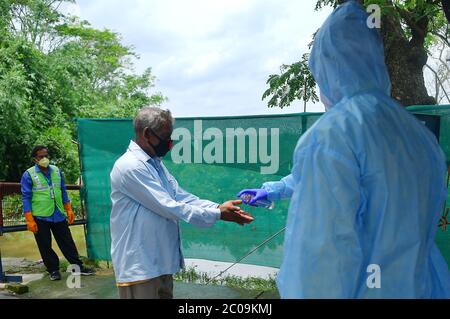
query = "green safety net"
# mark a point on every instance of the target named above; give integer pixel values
(443, 112)
(213, 158)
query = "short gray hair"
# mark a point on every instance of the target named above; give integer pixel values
(152, 117)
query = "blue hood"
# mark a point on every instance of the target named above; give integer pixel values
(348, 56)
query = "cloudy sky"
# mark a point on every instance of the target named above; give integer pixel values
(211, 58)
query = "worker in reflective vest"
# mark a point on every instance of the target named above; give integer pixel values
(47, 209)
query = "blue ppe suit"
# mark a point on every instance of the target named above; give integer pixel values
(368, 181)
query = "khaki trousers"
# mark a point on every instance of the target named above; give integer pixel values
(156, 288)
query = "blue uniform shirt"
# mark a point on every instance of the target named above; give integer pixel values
(26, 187)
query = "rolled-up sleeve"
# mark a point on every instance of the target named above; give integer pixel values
(145, 189)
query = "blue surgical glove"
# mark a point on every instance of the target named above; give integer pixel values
(257, 193)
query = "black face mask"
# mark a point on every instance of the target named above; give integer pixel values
(163, 147)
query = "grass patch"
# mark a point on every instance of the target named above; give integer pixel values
(26, 268)
(92, 263)
(191, 275)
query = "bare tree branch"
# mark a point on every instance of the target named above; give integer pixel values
(439, 80)
(440, 36)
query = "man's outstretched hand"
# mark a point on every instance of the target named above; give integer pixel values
(229, 211)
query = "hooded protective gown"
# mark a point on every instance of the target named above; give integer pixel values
(367, 185)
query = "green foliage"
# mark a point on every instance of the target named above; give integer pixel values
(412, 13)
(191, 275)
(324, 3)
(63, 264)
(75, 200)
(294, 83)
(53, 69)
(92, 263)
(13, 212)
(15, 124)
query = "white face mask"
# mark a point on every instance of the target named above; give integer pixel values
(325, 101)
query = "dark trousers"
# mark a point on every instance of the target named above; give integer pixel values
(64, 240)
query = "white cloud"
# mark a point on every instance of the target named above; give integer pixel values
(212, 58)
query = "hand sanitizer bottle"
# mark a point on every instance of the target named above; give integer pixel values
(259, 203)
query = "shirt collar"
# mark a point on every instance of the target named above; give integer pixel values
(140, 153)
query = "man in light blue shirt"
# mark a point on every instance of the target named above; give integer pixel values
(147, 205)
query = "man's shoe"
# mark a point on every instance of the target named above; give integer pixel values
(86, 271)
(55, 275)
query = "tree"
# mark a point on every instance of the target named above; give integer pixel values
(53, 69)
(295, 83)
(409, 28)
(35, 20)
(15, 125)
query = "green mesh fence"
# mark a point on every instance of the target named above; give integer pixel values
(213, 158)
(443, 112)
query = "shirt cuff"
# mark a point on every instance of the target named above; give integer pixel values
(217, 212)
